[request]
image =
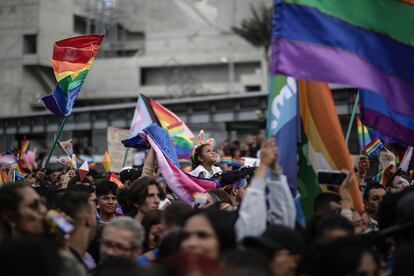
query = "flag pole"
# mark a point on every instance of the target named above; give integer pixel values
(59, 132)
(125, 157)
(351, 121)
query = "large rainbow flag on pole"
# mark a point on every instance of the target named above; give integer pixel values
(323, 142)
(71, 62)
(365, 43)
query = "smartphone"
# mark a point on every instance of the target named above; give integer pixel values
(331, 177)
(56, 220)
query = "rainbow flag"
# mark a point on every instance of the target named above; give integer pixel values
(384, 175)
(114, 178)
(363, 135)
(176, 129)
(71, 61)
(20, 171)
(323, 143)
(238, 161)
(226, 159)
(373, 147)
(142, 118)
(363, 43)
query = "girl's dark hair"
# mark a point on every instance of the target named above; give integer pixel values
(197, 153)
(223, 225)
(10, 198)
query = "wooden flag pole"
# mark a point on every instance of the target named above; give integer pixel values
(57, 136)
(351, 121)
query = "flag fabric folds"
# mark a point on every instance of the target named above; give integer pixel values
(377, 113)
(364, 43)
(363, 134)
(142, 118)
(324, 146)
(71, 61)
(182, 184)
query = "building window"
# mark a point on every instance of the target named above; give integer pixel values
(29, 44)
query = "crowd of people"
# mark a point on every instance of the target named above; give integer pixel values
(54, 223)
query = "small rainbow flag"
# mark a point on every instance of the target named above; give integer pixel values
(373, 147)
(383, 176)
(226, 159)
(176, 129)
(363, 135)
(238, 161)
(71, 61)
(200, 198)
(20, 171)
(114, 178)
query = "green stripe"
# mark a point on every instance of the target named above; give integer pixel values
(389, 17)
(69, 83)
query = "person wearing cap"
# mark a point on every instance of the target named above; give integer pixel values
(282, 247)
(128, 175)
(253, 212)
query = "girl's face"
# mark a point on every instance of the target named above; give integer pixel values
(208, 155)
(200, 238)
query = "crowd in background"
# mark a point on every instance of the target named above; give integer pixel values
(54, 223)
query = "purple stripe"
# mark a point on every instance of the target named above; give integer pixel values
(387, 125)
(307, 61)
(51, 104)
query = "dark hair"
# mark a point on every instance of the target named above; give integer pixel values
(122, 198)
(341, 257)
(45, 262)
(76, 180)
(321, 202)
(170, 244)
(138, 191)
(197, 153)
(331, 222)
(10, 198)
(245, 262)
(117, 266)
(223, 225)
(105, 187)
(130, 174)
(220, 196)
(176, 213)
(83, 188)
(153, 217)
(72, 203)
(372, 186)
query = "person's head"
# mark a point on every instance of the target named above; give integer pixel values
(219, 198)
(76, 180)
(234, 185)
(332, 227)
(77, 206)
(144, 194)
(128, 175)
(175, 215)
(204, 155)
(22, 209)
(54, 176)
(327, 203)
(122, 236)
(154, 230)
(397, 184)
(118, 265)
(359, 224)
(346, 256)
(245, 262)
(93, 201)
(30, 255)
(282, 247)
(106, 193)
(373, 195)
(209, 232)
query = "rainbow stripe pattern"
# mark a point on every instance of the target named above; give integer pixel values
(363, 135)
(238, 161)
(363, 43)
(383, 176)
(323, 141)
(71, 62)
(373, 147)
(226, 159)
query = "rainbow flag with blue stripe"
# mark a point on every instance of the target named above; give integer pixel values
(372, 148)
(71, 61)
(363, 43)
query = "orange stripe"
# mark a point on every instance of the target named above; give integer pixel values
(62, 66)
(317, 97)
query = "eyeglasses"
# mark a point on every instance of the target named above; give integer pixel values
(116, 246)
(199, 234)
(35, 204)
